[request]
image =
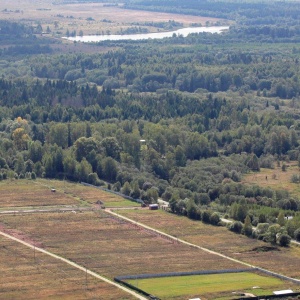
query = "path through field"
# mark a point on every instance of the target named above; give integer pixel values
(87, 271)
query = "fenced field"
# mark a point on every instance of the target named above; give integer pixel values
(90, 195)
(212, 286)
(28, 274)
(220, 239)
(26, 193)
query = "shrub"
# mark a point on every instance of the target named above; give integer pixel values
(295, 178)
(297, 234)
(247, 228)
(284, 240)
(205, 216)
(236, 227)
(92, 178)
(117, 186)
(215, 219)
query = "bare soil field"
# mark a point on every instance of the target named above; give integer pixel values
(24, 193)
(91, 18)
(28, 275)
(220, 239)
(112, 247)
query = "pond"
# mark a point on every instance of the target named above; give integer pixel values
(144, 36)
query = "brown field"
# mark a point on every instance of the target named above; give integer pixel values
(89, 195)
(276, 178)
(74, 16)
(111, 247)
(24, 193)
(220, 239)
(25, 275)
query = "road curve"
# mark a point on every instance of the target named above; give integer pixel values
(138, 296)
(204, 249)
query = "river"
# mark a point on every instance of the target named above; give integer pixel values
(144, 36)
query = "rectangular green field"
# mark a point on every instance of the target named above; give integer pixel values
(182, 287)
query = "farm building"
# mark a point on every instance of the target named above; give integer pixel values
(153, 206)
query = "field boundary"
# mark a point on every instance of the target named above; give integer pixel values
(82, 268)
(113, 192)
(173, 274)
(252, 267)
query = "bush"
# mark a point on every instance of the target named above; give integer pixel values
(205, 216)
(117, 186)
(92, 178)
(284, 240)
(295, 178)
(236, 227)
(215, 219)
(297, 234)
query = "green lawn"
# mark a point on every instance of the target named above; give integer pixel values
(200, 285)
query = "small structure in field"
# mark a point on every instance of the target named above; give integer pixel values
(283, 292)
(153, 206)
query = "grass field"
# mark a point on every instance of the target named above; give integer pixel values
(24, 193)
(276, 178)
(28, 275)
(89, 195)
(220, 239)
(212, 286)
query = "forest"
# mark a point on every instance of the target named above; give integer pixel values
(183, 119)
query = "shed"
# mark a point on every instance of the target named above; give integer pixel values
(153, 206)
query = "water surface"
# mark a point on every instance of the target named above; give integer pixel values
(144, 36)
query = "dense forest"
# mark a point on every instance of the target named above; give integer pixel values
(179, 118)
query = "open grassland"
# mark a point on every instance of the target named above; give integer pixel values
(276, 178)
(220, 239)
(28, 193)
(26, 274)
(91, 18)
(87, 194)
(109, 246)
(212, 286)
